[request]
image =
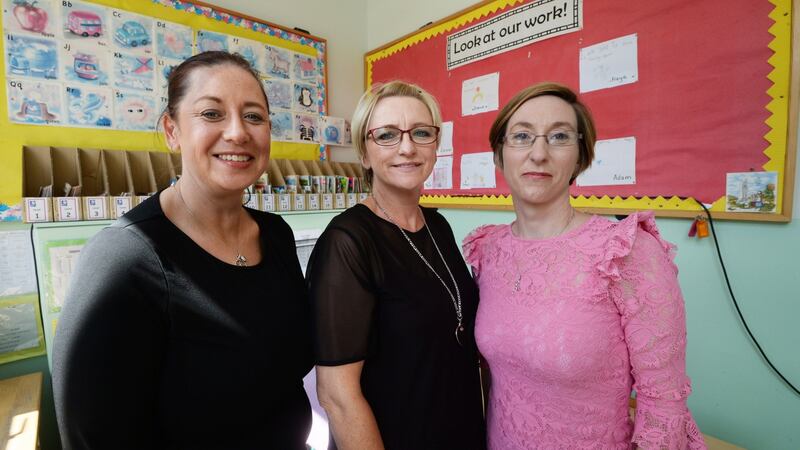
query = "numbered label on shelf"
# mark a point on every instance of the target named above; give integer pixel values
(121, 206)
(69, 209)
(96, 208)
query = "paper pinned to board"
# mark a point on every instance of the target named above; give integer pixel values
(609, 64)
(445, 140)
(481, 94)
(441, 176)
(614, 164)
(478, 171)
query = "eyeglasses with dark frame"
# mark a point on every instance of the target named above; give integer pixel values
(388, 136)
(555, 138)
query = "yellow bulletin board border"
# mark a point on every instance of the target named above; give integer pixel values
(782, 135)
(196, 15)
(40, 349)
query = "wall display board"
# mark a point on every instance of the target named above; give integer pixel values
(692, 100)
(93, 74)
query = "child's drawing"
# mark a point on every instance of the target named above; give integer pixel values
(134, 72)
(36, 102)
(209, 41)
(306, 128)
(31, 57)
(332, 130)
(173, 40)
(252, 51)
(279, 62)
(305, 67)
(132, 32)
(134, 111)
(84, 22)
(305, 98)
(282, 129)
(279, 93)
(85, 63)
(164, 68)
(10, 213)
(29, 16)
(88, 106)
(751, 191)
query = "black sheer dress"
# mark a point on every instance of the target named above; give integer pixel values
(373, 299)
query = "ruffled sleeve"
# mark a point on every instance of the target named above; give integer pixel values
(474, 246)
(644, 286)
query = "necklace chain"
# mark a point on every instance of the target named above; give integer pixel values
(240, 260)
(518, 280)
(455, 298)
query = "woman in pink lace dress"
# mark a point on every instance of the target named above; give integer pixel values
(576, 311)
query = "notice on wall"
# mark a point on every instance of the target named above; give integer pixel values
(21, 334)
(442, 175)
(614, 164)
(529, 23)
(481, 94)
(477, 171)
(63, 258)
(609, 64)
(17, 273)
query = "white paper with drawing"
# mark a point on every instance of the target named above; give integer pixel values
(609, 64)
(479, 95)
(614, 163)
(442, 175)
(445, 140)
(477, 171)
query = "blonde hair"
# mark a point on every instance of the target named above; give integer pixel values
(366, 105)
(586, 125)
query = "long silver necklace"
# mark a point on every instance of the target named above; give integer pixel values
(518, 281)
(455, 298)
(240, 260)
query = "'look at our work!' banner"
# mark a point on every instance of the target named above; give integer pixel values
(529, 23)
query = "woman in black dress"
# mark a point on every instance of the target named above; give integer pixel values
(187, 323)
(393, 304)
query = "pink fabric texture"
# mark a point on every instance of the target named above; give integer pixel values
(570, 325)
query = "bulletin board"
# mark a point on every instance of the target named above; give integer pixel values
(713, 97)
(93, 74)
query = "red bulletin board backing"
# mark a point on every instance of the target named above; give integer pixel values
(712, 97)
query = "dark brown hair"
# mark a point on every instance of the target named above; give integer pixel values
(585, 122)
(178, 81)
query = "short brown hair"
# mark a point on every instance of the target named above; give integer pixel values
(366, 105)
(585, 122)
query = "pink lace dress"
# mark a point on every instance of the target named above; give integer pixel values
(570, 325)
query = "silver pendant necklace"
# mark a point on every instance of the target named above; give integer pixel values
(455, 298)
(518, 281)
(240, 260)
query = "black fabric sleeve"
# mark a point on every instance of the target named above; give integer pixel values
(109, 346)
(342, 299)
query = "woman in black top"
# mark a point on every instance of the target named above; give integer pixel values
(392, 301)
(186, 324)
